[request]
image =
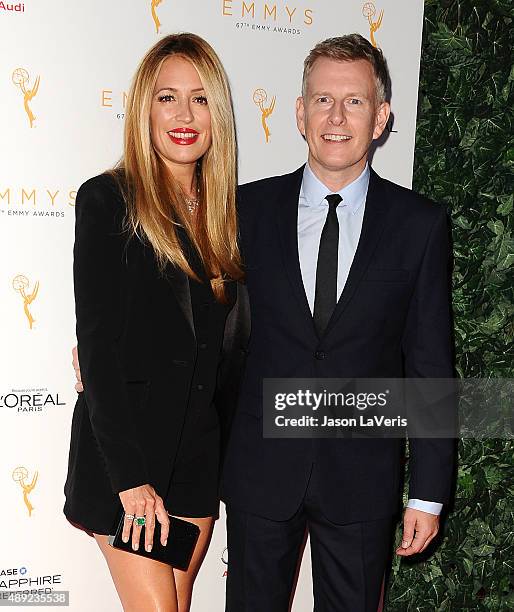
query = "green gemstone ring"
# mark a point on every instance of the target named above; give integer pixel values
(139, 521)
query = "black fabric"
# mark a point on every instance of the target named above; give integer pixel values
(348, 561)
(140, 358)
(325, 297)
(193, 490)
(391, 320)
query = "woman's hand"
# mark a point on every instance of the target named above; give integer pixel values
(144, 501)
(76, 366)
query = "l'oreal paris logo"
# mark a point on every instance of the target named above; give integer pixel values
(30, 400)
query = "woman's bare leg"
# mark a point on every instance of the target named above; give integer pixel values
(184, 580)
(142, 584)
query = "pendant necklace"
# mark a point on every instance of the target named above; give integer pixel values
(192, 203)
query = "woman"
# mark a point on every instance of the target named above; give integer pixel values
(155, 266)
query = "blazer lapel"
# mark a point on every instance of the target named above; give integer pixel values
(372, 229)
(179, 283)
(287, 222)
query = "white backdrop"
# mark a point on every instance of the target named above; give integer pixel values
(64, 71)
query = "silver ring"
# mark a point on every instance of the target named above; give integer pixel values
(130, 517)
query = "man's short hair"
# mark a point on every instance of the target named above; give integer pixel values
(350, 47)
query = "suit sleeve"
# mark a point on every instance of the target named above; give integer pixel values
(100, 302)
(428, 353)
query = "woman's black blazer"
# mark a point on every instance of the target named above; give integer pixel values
(137, 352)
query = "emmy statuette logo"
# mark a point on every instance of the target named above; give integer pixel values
(155, 17)
(21, 476)
(369, 11)
(21, 284)
(20, 77)
(260, 97)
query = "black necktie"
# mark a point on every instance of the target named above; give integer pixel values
(325, 298)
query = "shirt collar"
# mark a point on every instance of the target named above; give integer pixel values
(313, 191)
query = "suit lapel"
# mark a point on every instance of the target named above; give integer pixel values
(372, 228)
(179, 283)
(287, 223)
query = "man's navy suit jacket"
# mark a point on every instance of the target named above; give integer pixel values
(392, 320)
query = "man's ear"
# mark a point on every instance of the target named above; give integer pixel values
(381, 119)
(300, 115)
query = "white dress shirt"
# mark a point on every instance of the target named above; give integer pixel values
(312, 213)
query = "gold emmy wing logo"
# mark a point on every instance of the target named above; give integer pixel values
(20, 77)
(21, 284)
(154, 5)
(21, 476)
(369, 11)
(260, 97)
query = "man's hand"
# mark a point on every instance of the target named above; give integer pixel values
(76, 366)
(419, 529)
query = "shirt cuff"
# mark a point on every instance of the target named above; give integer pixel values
(425, 506)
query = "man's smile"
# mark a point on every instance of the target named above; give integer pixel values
(335, 137)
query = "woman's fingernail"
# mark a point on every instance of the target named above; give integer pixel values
(165, 542)
(149, 548)
(135, 546)
(125, 539)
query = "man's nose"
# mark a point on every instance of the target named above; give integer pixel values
(338, 113)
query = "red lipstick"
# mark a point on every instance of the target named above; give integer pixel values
(183, 136)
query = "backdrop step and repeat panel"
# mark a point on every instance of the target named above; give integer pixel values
(65, 71)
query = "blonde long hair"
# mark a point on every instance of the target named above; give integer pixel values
(156, 204)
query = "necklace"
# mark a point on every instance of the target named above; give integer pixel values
(192, 204)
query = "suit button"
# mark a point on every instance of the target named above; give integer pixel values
(199, 387)
(203, 346)
(320, 355)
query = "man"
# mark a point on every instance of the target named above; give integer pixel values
(347, 276)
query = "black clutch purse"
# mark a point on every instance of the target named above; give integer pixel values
(179, 548)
